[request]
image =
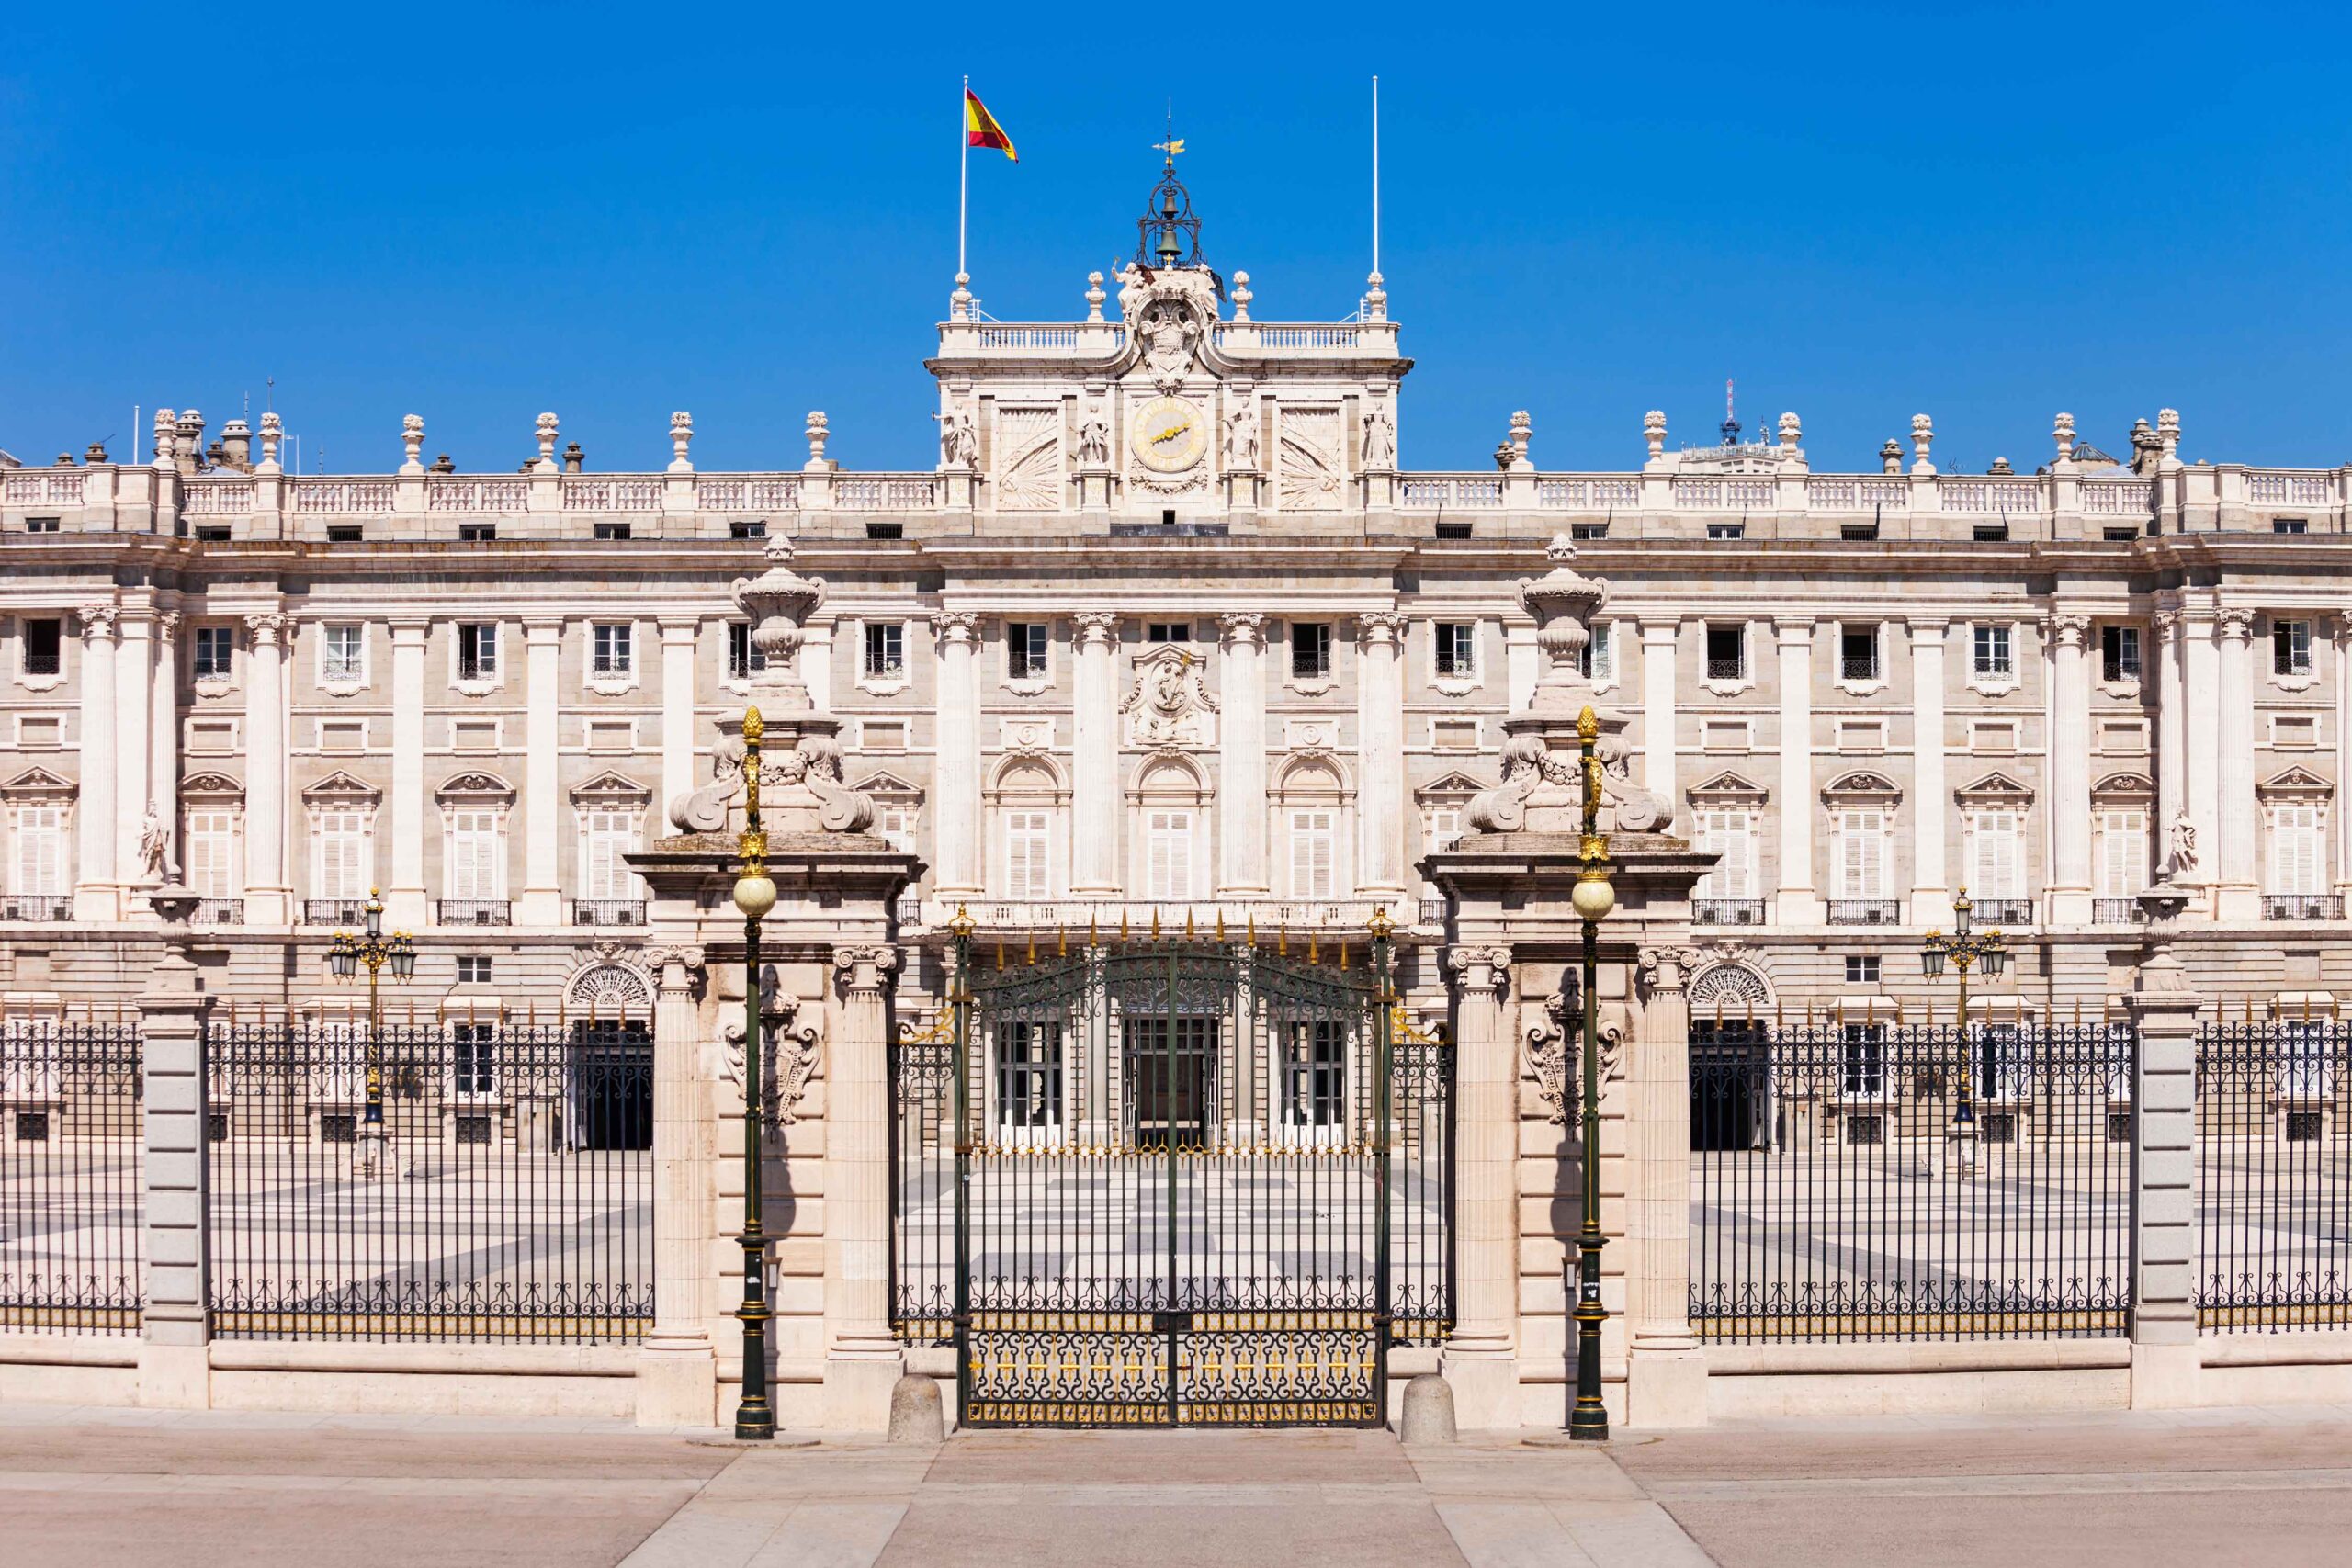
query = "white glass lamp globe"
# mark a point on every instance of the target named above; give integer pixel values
(1593, 897)
(754, 895)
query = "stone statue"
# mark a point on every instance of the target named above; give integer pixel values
(155, 847)
(1094, 440)
(1379, 438)
(2180, 858)
(1241, 440)
(959, 442)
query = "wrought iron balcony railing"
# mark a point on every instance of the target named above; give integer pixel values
(2116, 912)
(334, 911)
(474, 912)
(2003, 911)
(910, 911)
(1726, 669)
(602, 912)
(1202, 917)
(2302, 907)
(1865, 911)
(1728, 911)
(37, 907)
(218, 912)
(1433, 912)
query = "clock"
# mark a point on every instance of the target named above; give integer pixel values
(1167, 434)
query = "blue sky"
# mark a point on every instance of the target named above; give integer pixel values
(473, 213)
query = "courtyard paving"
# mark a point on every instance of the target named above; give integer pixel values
(102, 1487)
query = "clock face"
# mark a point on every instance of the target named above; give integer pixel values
(1167, 434)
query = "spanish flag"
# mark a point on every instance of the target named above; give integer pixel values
(980, 129)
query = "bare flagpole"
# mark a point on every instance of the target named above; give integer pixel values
(1376, 176)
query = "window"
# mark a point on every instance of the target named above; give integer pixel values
(1863, 1070)
(744, 658)
(896, 825)
(2290, 648)
(2290, 525)
(1168, 631)
(1310, 650)
(1458, 648)
(2295, 845)
(1028, 1079)
(345, 533)
(211, 852)
(1727, 530)
(1452, 530)
(1858, 653)
(1444, 828)
(1861, 969)
(1858, 533)
(1588, 531)
(886, 530)
(1314, 839)
(345, 653)
(1025, 649)
(612, 653)
(606, 834)
(477, 532)
(1596, 660)
(757, 529)
(1168, 854)
(474, 865)
(2119, 535)
(1726, 652)
(1862, 853)
(2307, 1070)
(478, 651)
(212, 655)
(612, 530)
(38, 867)
(44, 645)
(2118, 653)
(473, 969)
(48, 525)
(1314, 1075)
(1730, 834)
(1994, 660)
(340, 869)
(1994, 855)
(1992, 533)
(473, 1057)
(2123, 852)
(886, 651)
(1028, 838)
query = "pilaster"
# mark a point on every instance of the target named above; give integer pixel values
(1380, 755)
(677, 1376)
(1658, 637)
(542, 900)
(268, 896)
(96, 894)
(134, 679)
(956, 766)
(1242, 737)
(2171, 736)
(1480, 1356)
(2070, 780)
(405, 904)
(1798, 904)
(678, 634)
(2200, 745)
(164, 735)
(2238, 895)
(1666, 1371)
(863, 1358)
(2341, 834)
(1931, 886)
(1094, 698)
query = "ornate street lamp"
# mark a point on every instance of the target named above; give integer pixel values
(755, 896)
(1965, 949)
(1592, 897)
(345, 956)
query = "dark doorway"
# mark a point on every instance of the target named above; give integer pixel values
(1170, 1081)
(609, 1086)
(1729, 1082)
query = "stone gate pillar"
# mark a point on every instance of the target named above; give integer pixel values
(1665, 1373)
(1481, 1357)
(174, 1352)
(678, 1377)
(863, 1358)
(2165, 1357)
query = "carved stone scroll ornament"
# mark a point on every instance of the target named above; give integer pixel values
(1528, 764)
(814, 764)
(787, 1058)
(1481, 968)
(1552, 1051)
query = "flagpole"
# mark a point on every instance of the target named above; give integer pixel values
(1376, 176)
(963, 177)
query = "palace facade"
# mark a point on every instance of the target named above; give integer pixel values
(1168, 639)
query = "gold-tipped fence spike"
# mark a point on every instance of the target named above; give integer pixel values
(1252, 929)
(1344, 957)
(1313, 955)
(1123, 925)
(1061, 939)
(1000, 952)
(1030, 959)
(1188, 922)
(1220, 924)
(1155, 922)
(1282, 942)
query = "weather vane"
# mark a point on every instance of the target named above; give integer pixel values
(1175, 143)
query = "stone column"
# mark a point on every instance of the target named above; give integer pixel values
(955, 760)
(405, 906)
(677, 1376)
(863, 1358)
(1799, 903)
(1930, 795)
(2239, 895)
(2172, 736)
(175, 1366)
(1665, 1373)
(134, 677)
(1658, 710)
(2165, 1353)
(163, 734)
(1380, 756)
(2342, 836)
(2200, 747)
(2069, 833)
(542, 900)
(1241, 735)
(1094, 742)
(1481, 1357)
(677, 721)
(268, 895)
(96, 892)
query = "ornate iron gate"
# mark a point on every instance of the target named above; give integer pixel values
(1174, 1187)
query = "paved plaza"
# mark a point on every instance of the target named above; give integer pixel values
(106, 1487)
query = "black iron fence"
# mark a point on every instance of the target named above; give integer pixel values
(2274, 1174)
(462, 1180)
(71, 1177)
(1875, 1180)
